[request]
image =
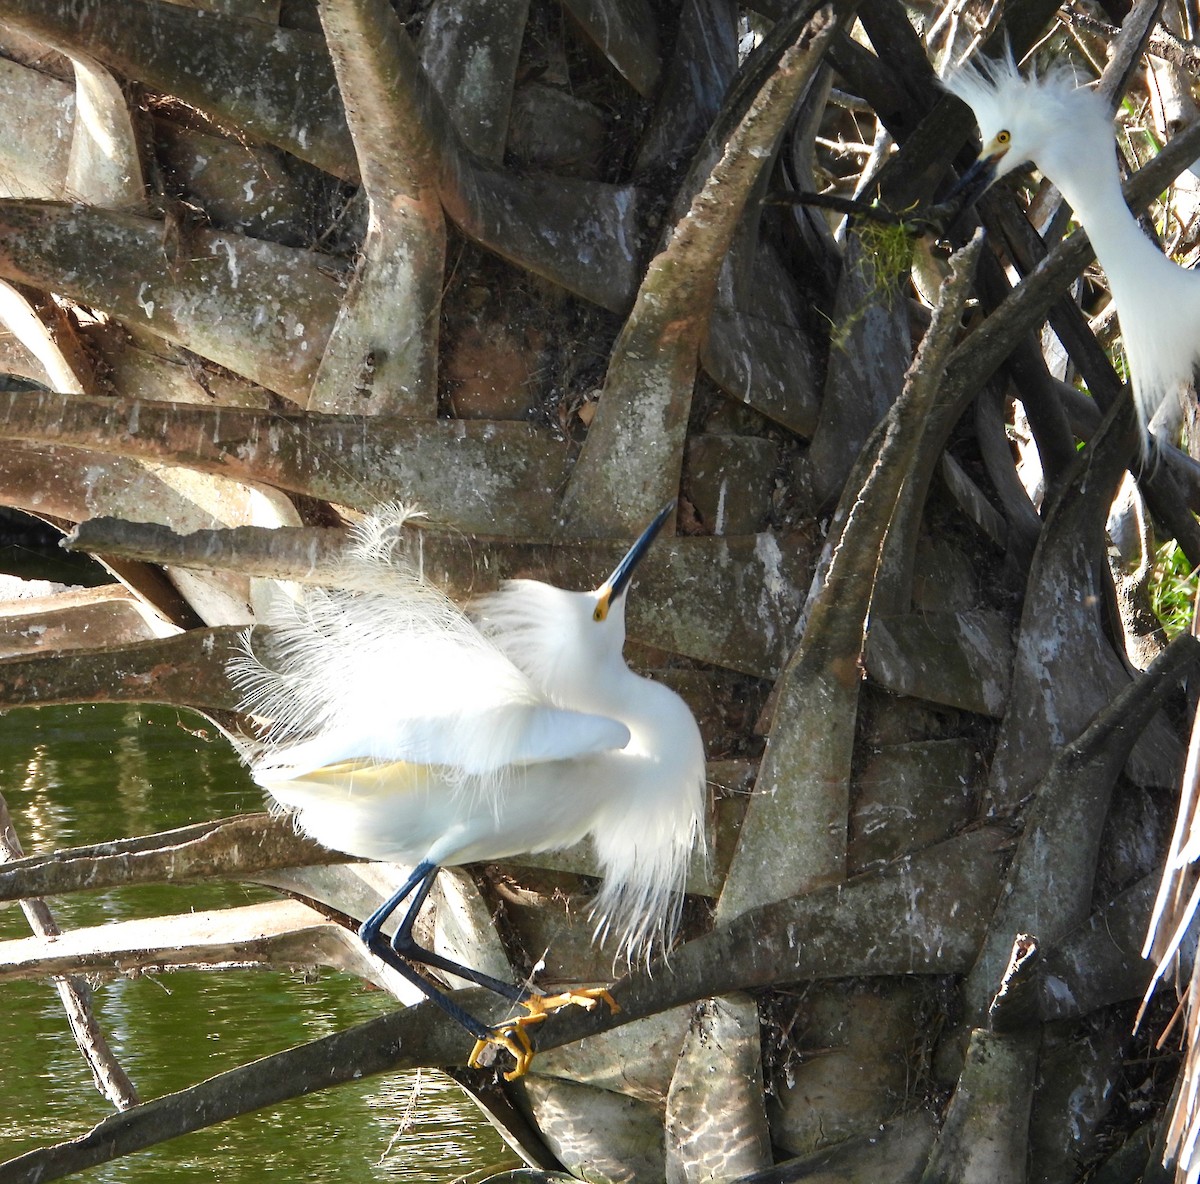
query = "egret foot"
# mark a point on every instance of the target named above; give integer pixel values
(511, 1037)
(540, 1006)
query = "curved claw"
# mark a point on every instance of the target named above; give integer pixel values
(511, 1037)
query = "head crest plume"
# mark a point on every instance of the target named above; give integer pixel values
(1001, 96)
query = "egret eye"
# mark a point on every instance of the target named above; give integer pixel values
(1003, 138)
(601, 611)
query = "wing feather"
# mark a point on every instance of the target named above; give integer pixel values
(519, 735)
(388, 669)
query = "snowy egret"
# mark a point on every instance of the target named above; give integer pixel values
(1066, 132)
(402, 729)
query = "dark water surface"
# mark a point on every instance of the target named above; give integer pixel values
(88, 774)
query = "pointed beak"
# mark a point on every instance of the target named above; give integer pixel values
(616, 583)
(975, 180)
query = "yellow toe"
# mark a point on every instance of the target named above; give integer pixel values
(511, 1037)
(540, 1006)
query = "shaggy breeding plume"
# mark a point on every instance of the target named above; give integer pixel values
(403, 730)
(1067, 133)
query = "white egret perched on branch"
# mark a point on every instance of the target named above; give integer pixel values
(1066, 131)
(404, 730)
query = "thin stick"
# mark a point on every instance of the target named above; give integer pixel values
(111, 1080)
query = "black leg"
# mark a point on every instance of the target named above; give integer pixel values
(403, 950)
(382, 950)
(405, 945)
(422, 874)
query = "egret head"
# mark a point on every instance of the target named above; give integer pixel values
(1047, 120)
(565, 640)
(613, 589)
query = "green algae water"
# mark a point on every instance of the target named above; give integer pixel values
(88, 774)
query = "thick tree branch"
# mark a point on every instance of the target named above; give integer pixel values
(633, 455)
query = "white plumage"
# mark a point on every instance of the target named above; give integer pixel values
(1066, 132)
(401, 729)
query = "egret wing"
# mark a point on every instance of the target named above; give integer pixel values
(472, 743)
(389, 670)
(364, 778)
(544, 733)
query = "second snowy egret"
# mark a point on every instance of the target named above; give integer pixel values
(403, 730)
(1066, 132)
